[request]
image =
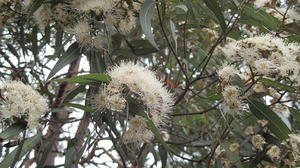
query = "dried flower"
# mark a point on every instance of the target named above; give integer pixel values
(250, 130)
(258, 141)
(262, 123)
(235, 147)
(274, 152)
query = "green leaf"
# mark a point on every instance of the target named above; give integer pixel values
(27, 146)
(12, 131)
(49, 142)
(173, 31)
(71, 151)
(214, 6)
(276, 125)
(94, 77)
(72, 53)
(275, 84)
(79, 106)
(258, 17)
(183, 7)
(74, 92)
(295, 113)
(146, 14)
(163, 156)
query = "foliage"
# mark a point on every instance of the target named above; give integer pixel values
(230, 67)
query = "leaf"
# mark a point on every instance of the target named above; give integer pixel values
(258, 17)
(74, 92)
(173, 31)
(72, 53)
(275, 84)
(94, 77)
(79, 106)
(71, 151)
(146, 14)
(213, 5)
(27, 146)
(295, 113)
(276, 125)
(47, 149)
(12, 131)
(183, 7)
(151, 126)
(163, 156)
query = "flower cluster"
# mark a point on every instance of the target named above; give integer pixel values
(88, 19)
(23, 101)
(130, 80)
(276, 154)
(270, 56)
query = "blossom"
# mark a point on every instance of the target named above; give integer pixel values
(82, 31)
(270, 56)
(86, 5)
(262, 123)
(23, 101)
(135, 81)
(274, 152)
(138, 131)
(264, 66)
(258, 141)
(232, 102)
(42, 16)
(143, 83)
(234, 147)
(294, 141)
(227, 72)
(261, 3)
(250, 130)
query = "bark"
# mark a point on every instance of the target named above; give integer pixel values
(96, 66)
(56, 123)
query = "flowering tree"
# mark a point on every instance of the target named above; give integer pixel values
(150, 83)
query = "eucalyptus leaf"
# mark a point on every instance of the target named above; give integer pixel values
(94, 77)
(275, 124)
(12, 131)
(72, 53)
(28, 145)
(146, 14)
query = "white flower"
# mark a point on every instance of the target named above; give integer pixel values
(264, 66)
(261, 3)
(130, 79)
(232, 102)
(269, 55)
(258, 141)
(23, 100)
(128, 23)
(274, 152)
(42, 16)
(294, 141)
(82, 32)
(227, 72)
(86, 5)
(138, 131)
